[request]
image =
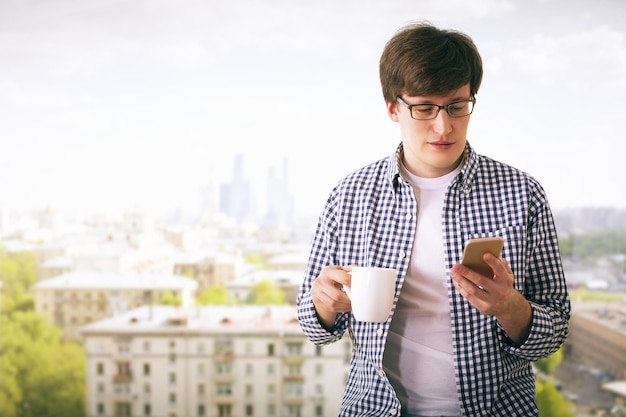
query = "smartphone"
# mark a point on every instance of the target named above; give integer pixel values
(476, 248)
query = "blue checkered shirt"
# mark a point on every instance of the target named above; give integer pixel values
(375, 208)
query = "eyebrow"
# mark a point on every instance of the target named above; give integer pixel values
(452, 100)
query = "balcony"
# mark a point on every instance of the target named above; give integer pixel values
(122, 378)
(293, 359)
(293, 378)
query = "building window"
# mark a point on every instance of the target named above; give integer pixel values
(271, 410)
(294, 349)
(270, 369)
(249, 410)
(123, 409)
(249, 390)
(200, 369)
(200, 347)
(249, 369)
(123, 347)
(201, 410)
(293, 389)
(123, 368)
(172, 344)
(319, 410)
(224, 389)
(223, 347)
(100, 368)
(294, 410)
(146, 346)
(101, 389)
(121, 388)
(294, 369)
(318, 351)
(147, 389)
(224, 410)
(172, 378)
(224, 368)
(147, 410)
(270, 350)
(319, 369)
(271, 390)
(201, 389)
(100, 409)
(172, 398)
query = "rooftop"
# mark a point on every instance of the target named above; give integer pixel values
(247, 320)
(108, 280)
(607, 314)
(616, 387)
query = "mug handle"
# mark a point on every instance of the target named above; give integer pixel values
(347, 289)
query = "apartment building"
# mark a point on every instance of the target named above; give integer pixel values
(598, 336)
(78, 298)
(208, 269)
(288, 281)
(217, 361)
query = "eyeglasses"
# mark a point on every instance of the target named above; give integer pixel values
(460, 108)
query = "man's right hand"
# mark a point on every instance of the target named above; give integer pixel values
(328, 295)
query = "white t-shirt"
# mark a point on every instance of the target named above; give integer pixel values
(418, 356)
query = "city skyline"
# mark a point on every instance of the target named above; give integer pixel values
(110, 105)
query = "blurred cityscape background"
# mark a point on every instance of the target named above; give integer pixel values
(163, 163)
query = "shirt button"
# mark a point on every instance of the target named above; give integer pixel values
(409, 216)
(379, 332)
(393, 412)
(381, 374)
(402, 254)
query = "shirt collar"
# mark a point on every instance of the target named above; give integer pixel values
(470, 166)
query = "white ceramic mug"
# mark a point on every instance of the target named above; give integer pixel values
(371, 292)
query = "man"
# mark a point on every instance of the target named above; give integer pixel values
(456, 343)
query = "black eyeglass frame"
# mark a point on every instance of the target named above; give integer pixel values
(410, 107)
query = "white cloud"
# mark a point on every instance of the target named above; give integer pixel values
(31, 96)
(593, 55)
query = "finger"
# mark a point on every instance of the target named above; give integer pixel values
(471, 292)
(507, 266)
(498, 265)
(472, 277)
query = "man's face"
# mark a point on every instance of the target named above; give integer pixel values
(432, 148)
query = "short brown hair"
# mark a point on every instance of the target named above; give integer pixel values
(421, 60)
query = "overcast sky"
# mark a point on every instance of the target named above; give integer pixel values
(109, 105)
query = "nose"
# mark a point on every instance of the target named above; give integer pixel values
(442, 123)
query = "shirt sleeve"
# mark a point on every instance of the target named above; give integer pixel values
(312, 328)
(319, 257)
(544, 287)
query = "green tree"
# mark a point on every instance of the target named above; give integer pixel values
(214, 295)
(41, 376)
(169, 298)
(266, 293)
(550, 401)
(589, 246)
(17, 273)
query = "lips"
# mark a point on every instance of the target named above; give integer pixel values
(441, 144)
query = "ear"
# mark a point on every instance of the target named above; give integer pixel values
(392, 110)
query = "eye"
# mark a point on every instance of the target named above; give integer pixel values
(458, 107)
(424, 109)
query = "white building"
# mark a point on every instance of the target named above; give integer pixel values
(78, 298)
(211, 361)
(288, 281)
